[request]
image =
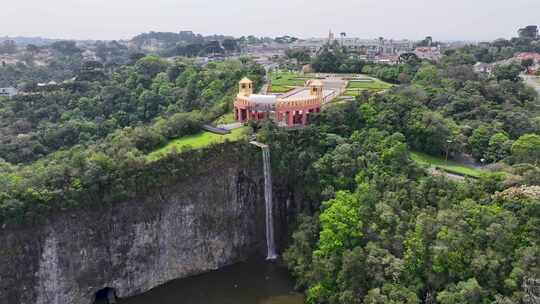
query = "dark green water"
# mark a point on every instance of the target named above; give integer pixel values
(256, 282)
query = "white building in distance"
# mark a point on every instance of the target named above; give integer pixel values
(8, 92)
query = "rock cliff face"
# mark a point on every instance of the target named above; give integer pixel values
(212, 219)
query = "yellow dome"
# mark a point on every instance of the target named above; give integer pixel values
(246, 80)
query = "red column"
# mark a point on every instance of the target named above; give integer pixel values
(290, 121)
(304, 117)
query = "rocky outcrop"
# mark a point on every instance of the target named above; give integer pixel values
(211, 219)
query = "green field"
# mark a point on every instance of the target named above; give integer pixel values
(353, 92)
(281, 89)
(286, 81)
(450, 166)
(195, 141)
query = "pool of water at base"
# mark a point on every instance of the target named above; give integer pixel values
(253, 282)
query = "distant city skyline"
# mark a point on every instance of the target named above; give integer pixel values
(477, 20)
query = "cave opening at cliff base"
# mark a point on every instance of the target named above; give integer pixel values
(106, 295)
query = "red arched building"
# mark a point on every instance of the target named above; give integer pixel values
(287, 110)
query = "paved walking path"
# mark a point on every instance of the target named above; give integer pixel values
(231, 126)
(264, 89)
(436, 172)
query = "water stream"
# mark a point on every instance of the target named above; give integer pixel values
(270, 241)
(253, 282)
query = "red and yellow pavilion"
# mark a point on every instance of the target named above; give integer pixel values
(288, 110)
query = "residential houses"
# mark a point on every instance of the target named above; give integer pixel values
(432, 53)
(535, 57)
(483, 68)
(487, 68)
(8, 92)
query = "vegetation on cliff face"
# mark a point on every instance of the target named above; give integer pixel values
(378, 228)
(196, 141)
(388, 232)
(392, 234)
(88, 140)
(82, 178)
(383, 230)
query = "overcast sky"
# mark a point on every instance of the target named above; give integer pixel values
(413, 19)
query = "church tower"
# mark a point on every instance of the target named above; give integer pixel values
(331, 37)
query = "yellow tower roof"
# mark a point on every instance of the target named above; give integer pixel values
(246, 80)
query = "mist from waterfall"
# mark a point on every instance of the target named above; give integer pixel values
(270, 242)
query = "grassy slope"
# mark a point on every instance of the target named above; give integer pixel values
(196, 141)
(354, 87)
(450, 166)
(374, 84)
(280, 89)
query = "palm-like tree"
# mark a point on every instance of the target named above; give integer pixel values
(343, 35)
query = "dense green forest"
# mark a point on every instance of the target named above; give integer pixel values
(388, 232)
(63, 60)
(83, 111)
(381, 229)
(376, 228)
(445, 107)
(448, 107)
(62, 144)
(58, 61)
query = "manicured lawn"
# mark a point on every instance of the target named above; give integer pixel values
(450, 166)
(195, 141)
(281, 89)
(283, 82)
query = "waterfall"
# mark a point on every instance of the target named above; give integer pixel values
(270, 242)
